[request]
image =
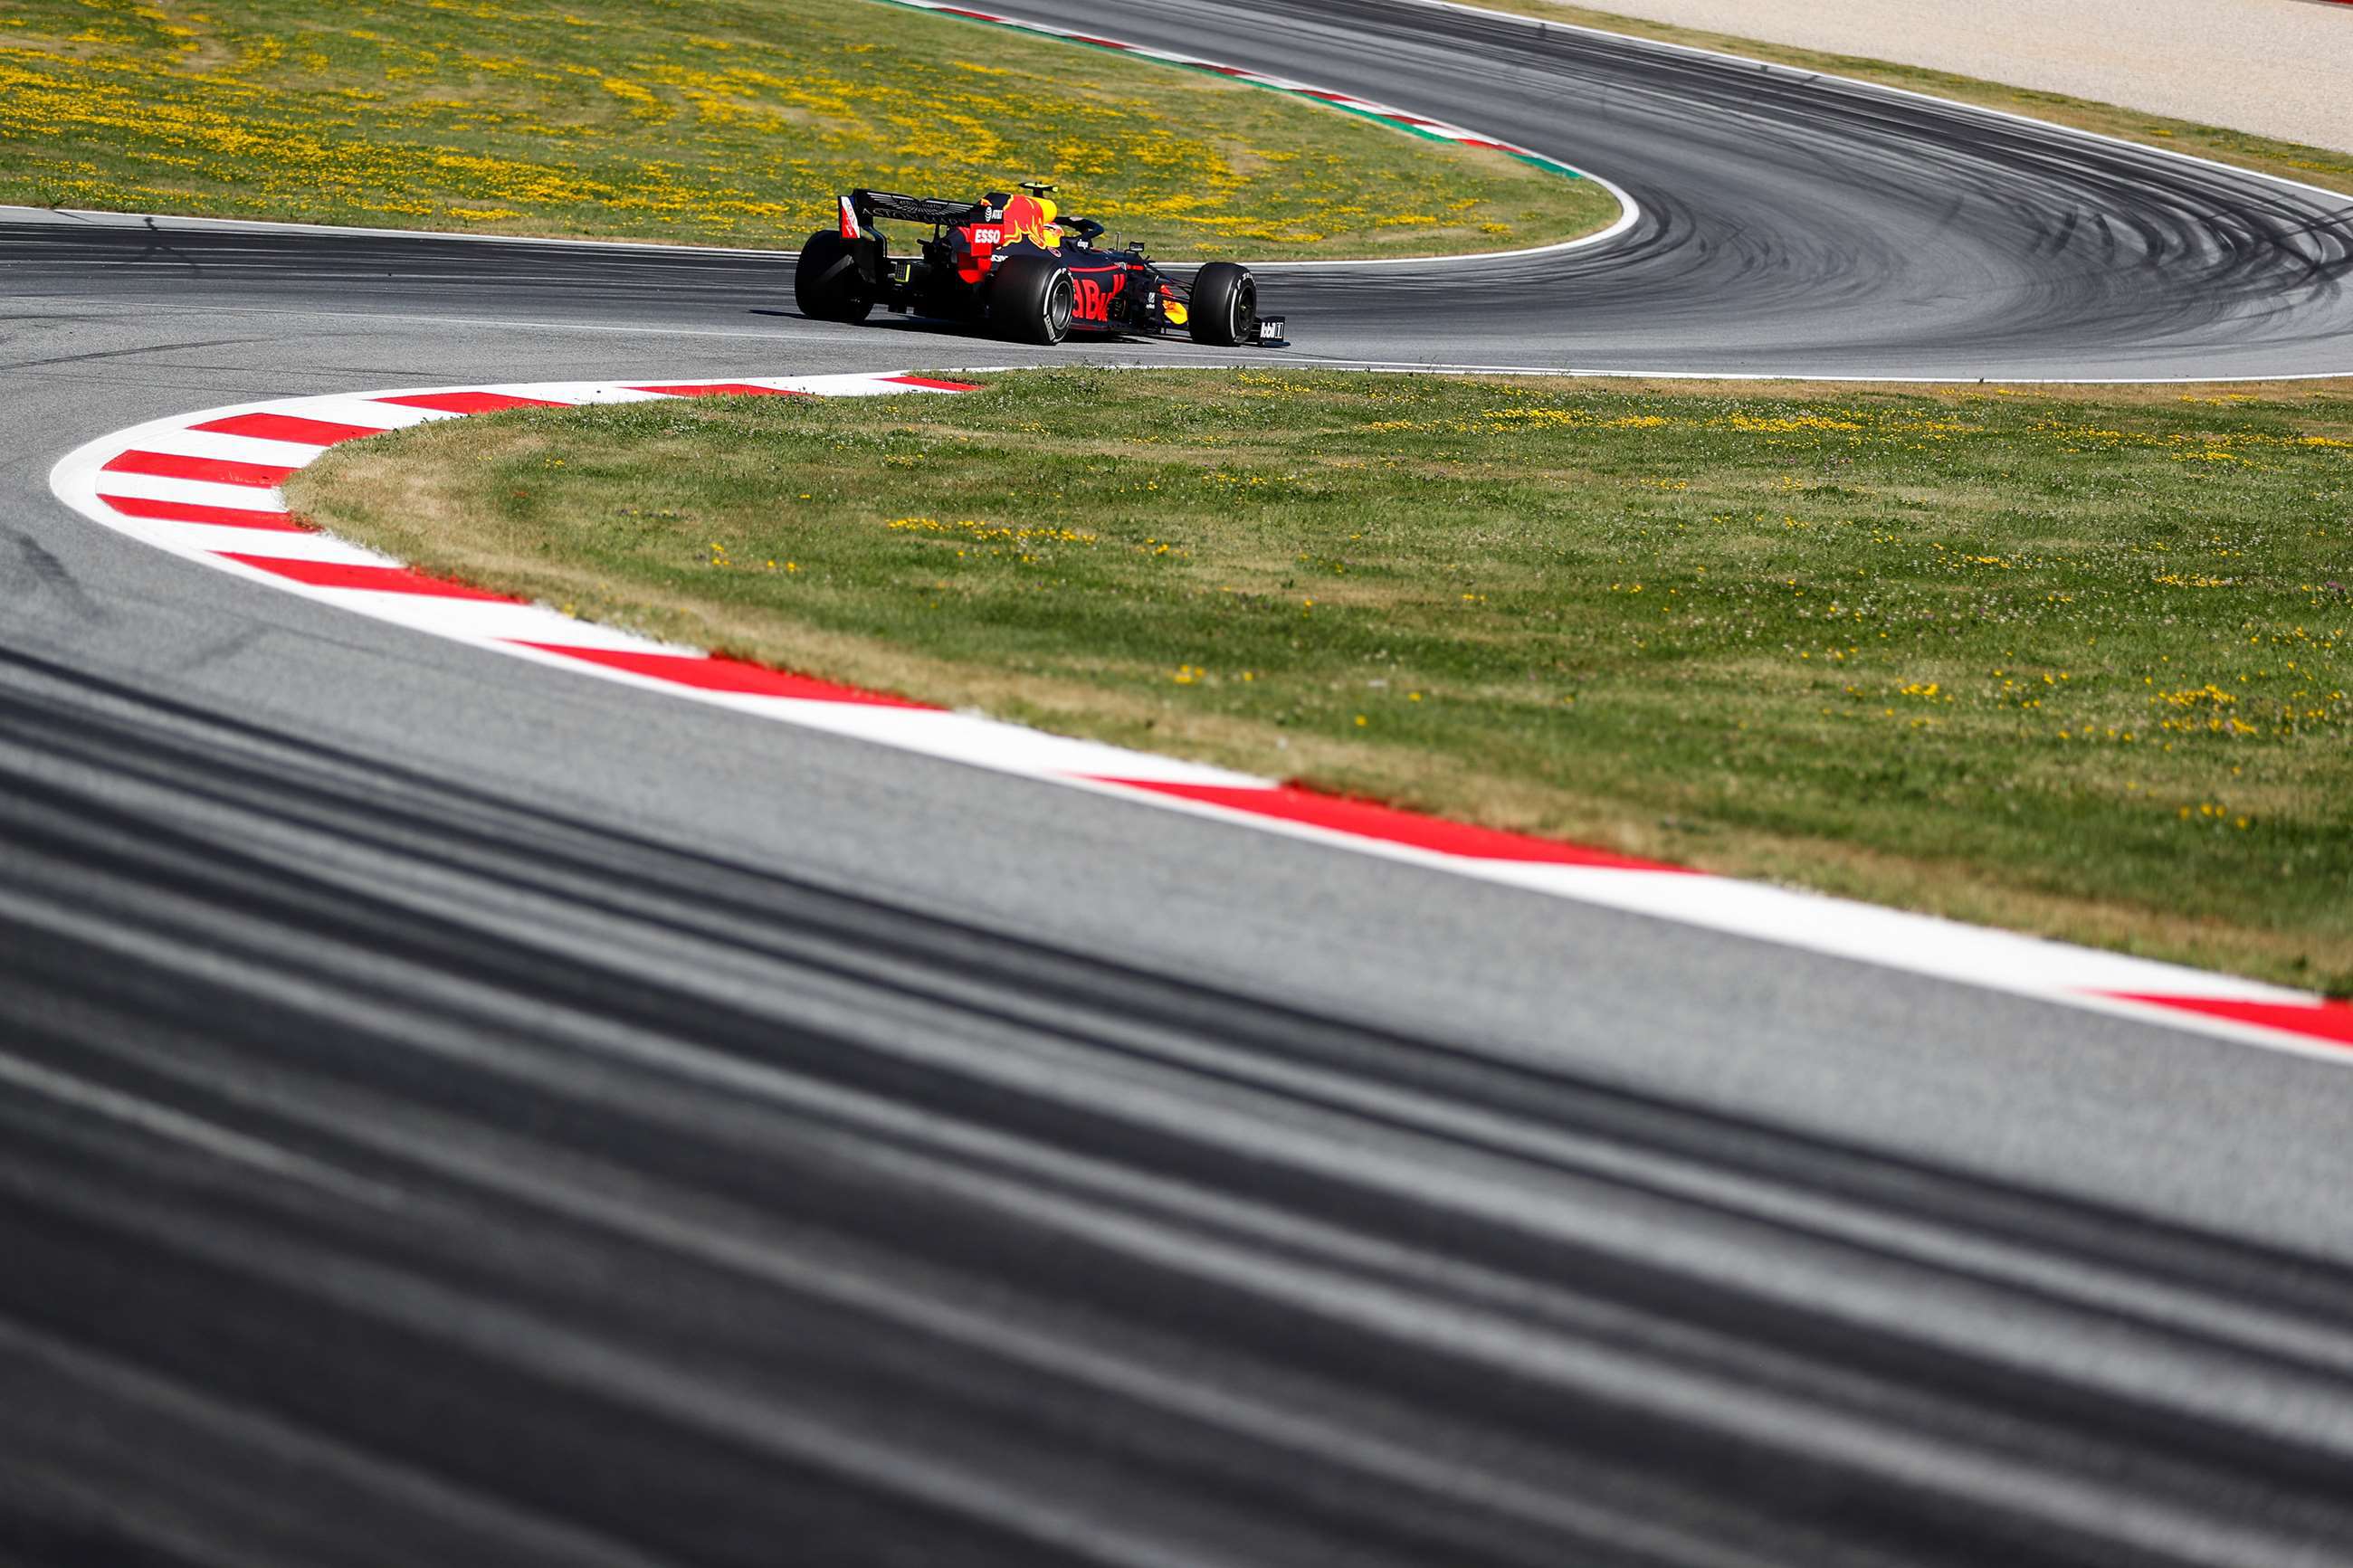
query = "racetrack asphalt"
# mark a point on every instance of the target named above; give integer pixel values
(460, 1112)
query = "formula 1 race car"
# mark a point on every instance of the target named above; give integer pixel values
(1015, 267)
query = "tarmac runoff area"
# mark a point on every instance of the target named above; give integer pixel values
(2277, 67)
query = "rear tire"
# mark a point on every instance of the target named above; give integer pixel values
(1223, 309)
(1031, 299)
(828, 284)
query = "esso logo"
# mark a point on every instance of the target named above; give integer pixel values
(988, 236)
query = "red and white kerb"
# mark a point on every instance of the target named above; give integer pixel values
(205, 486)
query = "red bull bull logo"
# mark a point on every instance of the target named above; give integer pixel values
(1031, 218)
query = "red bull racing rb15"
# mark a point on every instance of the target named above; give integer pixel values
(1014, 265)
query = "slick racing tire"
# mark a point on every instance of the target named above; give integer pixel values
(1223, 311)
(828, 284)
(1031, 299)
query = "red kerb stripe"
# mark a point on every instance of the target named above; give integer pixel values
(1369, 820)
(721, 389)
(469, 402)
(188, 511)
(934, 382)
(212, 470)
(720, 674)
(2318, 1020)
(289, 427)
(378, 579)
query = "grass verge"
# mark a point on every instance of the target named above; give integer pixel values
(2320, 166)
(2068, 661)
(723, 122)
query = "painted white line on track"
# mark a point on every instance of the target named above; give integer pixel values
(232, 449)
(204, 538)
(190, 492)
(164, 223)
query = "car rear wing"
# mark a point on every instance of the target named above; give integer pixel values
(868, 205)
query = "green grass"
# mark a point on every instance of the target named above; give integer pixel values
(730, 121)
(2069, 661)
(2320, 166)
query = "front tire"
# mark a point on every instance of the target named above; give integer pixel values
(1031, 299)
(828, 284)
(1223, 309)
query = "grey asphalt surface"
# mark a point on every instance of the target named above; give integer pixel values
(456, 1111)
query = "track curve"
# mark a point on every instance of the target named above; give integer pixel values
(1790, 224)
(459, 1113)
